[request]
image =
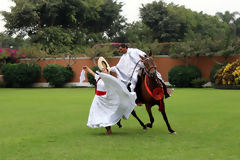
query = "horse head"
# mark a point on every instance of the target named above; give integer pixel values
(149, 65)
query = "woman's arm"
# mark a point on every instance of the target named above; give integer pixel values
(86, 68)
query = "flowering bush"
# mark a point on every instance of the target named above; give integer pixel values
(229, 74)
(10, 55)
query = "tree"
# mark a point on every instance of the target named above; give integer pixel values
(176, 23)
(153, 15)
(224, 48)
(35, 18)
(99, 50)
(94, 15)
(116, 31)
(186, 50)
(237, 22)
(6, 41)
(138, 32)
(230, 19)
(227, 16)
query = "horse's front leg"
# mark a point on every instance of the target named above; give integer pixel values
(141, 123)
(119, 124)
(148, 108)
(166, 119)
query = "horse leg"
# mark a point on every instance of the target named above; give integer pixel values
(119, 124)
(148, 108)
(166, 119)
(141, 123)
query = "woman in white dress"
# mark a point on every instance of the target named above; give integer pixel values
(111, 103)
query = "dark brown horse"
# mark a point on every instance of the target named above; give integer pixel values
(151, 90)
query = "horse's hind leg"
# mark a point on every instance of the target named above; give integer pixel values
(148, 108)
(135, 115)
(166, 119)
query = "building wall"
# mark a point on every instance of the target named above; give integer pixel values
(164, 64)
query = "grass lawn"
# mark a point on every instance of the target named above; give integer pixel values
(50, 124)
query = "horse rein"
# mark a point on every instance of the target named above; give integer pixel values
(133, 71)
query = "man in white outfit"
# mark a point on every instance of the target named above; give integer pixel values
(129, 65)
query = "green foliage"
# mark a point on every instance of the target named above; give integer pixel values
(137, 32)
(64, 26)
(204, 47)
(95, 16)
(117, 31)
(237, 23)
(176, 23)
(7, 41)
(199, 82)
(20, 74)
(90, 78)
(57, 75)
(100, 50)
(231, 20)
(228, 48)
(229, 74)
(185, 50)
(34, 51)
(68, 73)
(153, 16)
(54, 39)
(182, 76)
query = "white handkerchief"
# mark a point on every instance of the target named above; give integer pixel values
(82, 76)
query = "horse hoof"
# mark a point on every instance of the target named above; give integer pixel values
(174, 133)
(145, 127)
(149, 125)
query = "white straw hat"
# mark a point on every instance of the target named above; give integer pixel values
(102, 63)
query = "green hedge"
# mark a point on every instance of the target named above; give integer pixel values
(182, 76)
(57, 75)
(20, 74)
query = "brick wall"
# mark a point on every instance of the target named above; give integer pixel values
(164, 64)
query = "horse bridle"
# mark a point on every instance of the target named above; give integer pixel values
(147, 70)
(153, 75)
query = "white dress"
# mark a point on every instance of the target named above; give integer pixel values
(107, 110)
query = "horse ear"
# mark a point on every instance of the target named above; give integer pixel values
(150, 53)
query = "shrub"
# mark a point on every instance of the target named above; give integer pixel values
(90, 78)
(69, 73)
(2, 85)
(182, 76)
(57, 75)
(229, 74)
(214, 71)
(199, 82)
(20, 74)
(8, 55)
